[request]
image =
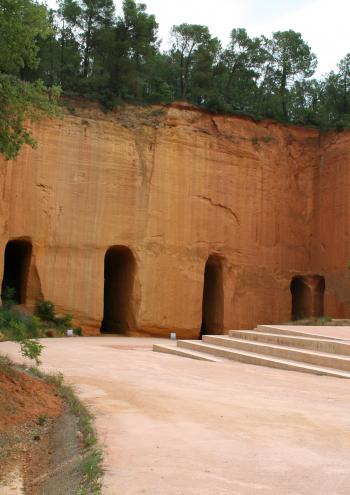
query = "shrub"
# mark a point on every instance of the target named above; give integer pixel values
(31, 348)
(8, 297)
(64, 321)
(46, 310)
(22, 328)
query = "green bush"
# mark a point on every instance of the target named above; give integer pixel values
(8, 297)
(16, 325)
(64, 321)
(22, 328)
(31, 348)
(46, 311)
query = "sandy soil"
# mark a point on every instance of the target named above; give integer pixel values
(175, 426)
(23, 398)
(40, 451)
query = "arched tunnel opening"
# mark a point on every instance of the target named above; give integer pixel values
(17, 259)
(119, 272)
(213, 297)
(307, 296)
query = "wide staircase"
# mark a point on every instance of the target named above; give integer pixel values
(272, 347)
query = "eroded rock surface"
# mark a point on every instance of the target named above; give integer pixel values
(175, 185)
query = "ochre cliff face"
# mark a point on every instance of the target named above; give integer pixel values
(331, 247)
(175, 186)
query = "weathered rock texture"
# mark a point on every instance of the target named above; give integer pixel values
(176, 185)
(331, 230)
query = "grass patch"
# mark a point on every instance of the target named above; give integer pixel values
(92, 458)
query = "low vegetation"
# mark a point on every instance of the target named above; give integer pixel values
(33, 404)
(91, 462)
(85, 49)
(18, 325)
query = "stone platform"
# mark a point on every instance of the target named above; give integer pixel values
(321, 350)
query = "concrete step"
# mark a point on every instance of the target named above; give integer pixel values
(178, 351)
(311, 343)
(289, 331)
(316, 358)
(255, 358)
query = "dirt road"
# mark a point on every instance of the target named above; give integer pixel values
(174, 426)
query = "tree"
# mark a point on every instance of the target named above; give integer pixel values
(137, 45)
(87, 17)
(243, 55)
(189, 41)
(291, 59)
(239, 70)
(22, 23)
(306, 99)
(344, 82)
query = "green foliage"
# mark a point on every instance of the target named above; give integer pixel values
(64, 321)
(193, 53)
(291, 57)
(78, 331)
(87, 18)
(89, 51)
(22, 22)
(46, 310)
(31, 349)
(91, 462)
(21, 102)
(24, 329)
(8, 297)
(91, 465)
(17, 325)
(91, 459)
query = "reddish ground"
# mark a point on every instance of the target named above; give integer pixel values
(23, 398)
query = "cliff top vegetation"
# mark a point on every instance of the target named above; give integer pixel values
(84, 49)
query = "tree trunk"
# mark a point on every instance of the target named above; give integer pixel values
(87, 49)
(283, 92)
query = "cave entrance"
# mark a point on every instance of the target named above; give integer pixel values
(307, 296)
(119, 271)
(213, 297)
(18, 254)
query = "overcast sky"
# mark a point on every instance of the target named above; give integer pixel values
(324, 24)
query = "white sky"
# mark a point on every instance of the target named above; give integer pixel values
(324, 24)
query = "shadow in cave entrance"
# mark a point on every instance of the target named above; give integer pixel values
(213, 297)
(307, 296)
(119, 272)
(18, 254)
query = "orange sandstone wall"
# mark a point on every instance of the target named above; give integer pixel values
(174, 185)
(331, 246)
